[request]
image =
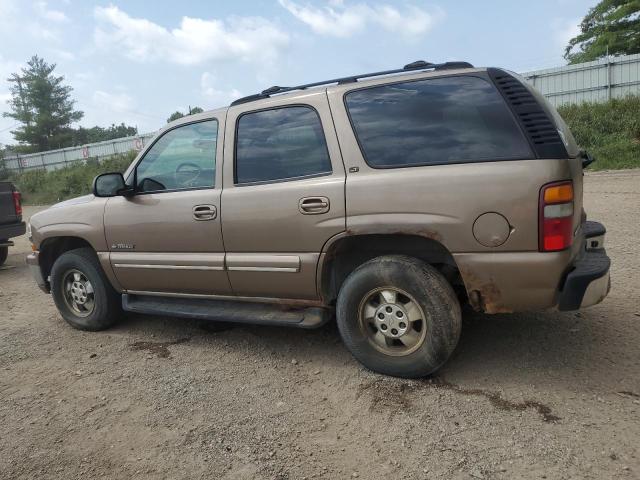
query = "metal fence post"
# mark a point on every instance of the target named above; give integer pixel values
(608, 78)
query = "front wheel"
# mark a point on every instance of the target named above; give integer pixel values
(399, 316)
(82, 292)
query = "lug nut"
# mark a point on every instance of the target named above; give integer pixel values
(383, 327)
(399, 314)
(402, 325)
(381, 316)
(389, 309)
(394, 331)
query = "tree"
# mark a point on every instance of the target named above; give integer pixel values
(83, 135)
(42, 104)
(176, 115)
(611, 27)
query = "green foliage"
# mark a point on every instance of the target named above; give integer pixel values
(610, 131)
(176, 115)
(42, 104)
(612, 26)
(40, 187)
(82, 136)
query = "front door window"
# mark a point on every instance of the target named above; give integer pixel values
(183, 158)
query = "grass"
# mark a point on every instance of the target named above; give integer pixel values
(609, 131)
(39, 187)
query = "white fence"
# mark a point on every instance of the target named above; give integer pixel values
(55, 159)
(612, 77)
(598, 81)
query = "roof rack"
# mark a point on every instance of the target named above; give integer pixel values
(417, 65)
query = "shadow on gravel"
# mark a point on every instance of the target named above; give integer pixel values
(159, 348)
(508, 349)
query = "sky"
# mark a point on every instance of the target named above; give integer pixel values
(137, 61)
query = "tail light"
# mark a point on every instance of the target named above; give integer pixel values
(556, 216)
(17, 202)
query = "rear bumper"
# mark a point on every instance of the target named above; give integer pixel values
(588, 281)
(33, 261)
(12, 230)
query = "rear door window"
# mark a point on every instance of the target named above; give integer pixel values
(280, 144)
(436, 121)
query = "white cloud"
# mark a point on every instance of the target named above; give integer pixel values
(48, 14)
(215, 96)
(116, 102)
(194, 42)
(564, 30)
(115, 107)
(340, 20)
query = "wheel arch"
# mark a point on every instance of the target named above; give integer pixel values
(52, 247)
(346, 253)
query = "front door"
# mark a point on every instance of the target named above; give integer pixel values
(283, 196)
(167, 238)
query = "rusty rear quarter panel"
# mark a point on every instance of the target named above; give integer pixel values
(442, 202)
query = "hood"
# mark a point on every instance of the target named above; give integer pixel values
(74, 201)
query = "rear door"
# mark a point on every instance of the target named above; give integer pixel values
(283, 195)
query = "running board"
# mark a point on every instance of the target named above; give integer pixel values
(227, 311)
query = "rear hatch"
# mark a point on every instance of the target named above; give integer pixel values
(7, 206)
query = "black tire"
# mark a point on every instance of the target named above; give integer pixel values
(429, 289)
(4, 253)
(107, 303)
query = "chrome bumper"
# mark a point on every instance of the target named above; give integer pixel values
(33, 261)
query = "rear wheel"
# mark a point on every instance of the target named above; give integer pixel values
(399, 316)
(82, 292)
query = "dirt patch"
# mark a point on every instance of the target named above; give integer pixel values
(160, 349)
(392, 394)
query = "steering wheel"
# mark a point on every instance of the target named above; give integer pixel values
(186, 173)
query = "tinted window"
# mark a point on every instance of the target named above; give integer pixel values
(444, 120)
(280, 144)
(184, 157)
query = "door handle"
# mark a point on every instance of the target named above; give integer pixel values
(205, 212)
(313, 205)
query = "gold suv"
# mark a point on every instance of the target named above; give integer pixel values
(388, 199)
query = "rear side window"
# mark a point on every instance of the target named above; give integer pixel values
(280, 144)
(436, 121)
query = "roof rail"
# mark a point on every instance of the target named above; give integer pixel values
(417, 65)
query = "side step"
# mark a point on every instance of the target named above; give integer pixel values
(227, 311)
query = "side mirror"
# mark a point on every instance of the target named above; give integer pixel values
(110, 185)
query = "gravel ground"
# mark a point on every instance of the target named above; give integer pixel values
(548, 395)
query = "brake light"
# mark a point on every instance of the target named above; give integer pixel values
(556, 217)
(17, 202)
